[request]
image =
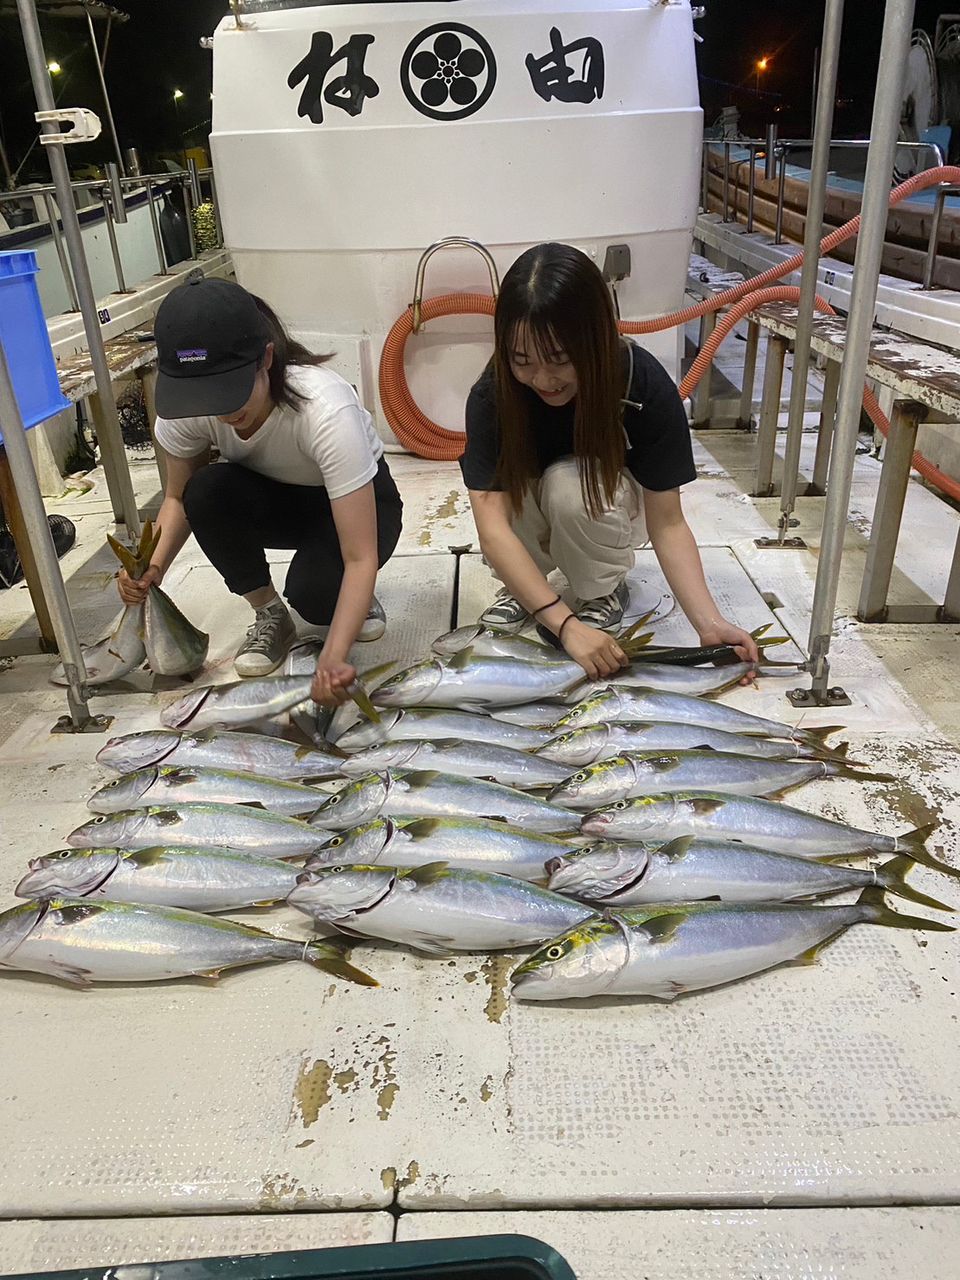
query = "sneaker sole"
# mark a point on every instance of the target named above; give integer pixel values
(256, 675)
(504, 628)
(371, 631)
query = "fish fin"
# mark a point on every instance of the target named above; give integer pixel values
(126, 557)
(360, 696)
(459, 660)
(817, 737)
(662, 928)
(430, 943)
(879, 913)
(757, 632)
(675, 850)
(211, 975)
(151, 857)
(891, 876)
(323, 957)
(911, 845)
(421, 828)
(267, 902)
(429, 873)
(71, 973)
(703, 805)
(842, 749)
(373, 677)
(664, 763)
(812, 954)
(329, 748)
(635, 626)
(421, 777)
(851, 771)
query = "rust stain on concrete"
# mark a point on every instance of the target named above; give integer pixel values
(312, 1090)
(496, 972)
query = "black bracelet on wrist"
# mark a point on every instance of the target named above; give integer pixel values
(555, 600)
(563, 624)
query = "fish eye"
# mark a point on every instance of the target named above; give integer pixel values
(334, 842)
(334, 799)
(335, 869)
(554, 953)
(102, 818)
(65, 853)
(580, 777)
(620, 804)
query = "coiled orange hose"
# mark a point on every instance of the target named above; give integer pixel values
(428, 439)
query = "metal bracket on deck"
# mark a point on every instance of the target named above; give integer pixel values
(95, 724)
(818, 695)
(781, 541)
(835, 697)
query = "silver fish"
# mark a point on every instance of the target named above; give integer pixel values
(434, 908)
(428, 794)
(219, 749)
(689, 870)
(471, 683)
(466, 759)
(117, 654)
(84, 942)
(664, 951)
(198, 826)
(429, 723)
(308, 716)
(472, 844)
(166, 786)
(531, 715)
(174, 646)
(487, 643)
(577, 747)
(242, 702)
(638, 704)
(764, 823)
(195, 879)
(648, 773)
(694, 681)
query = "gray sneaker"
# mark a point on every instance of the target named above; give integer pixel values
(505, 614)
(606, 612)
(268, 639)
(375, 623)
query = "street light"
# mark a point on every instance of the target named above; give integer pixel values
(762, 64)
(54, 68)
(177, 95)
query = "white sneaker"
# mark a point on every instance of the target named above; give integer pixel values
(375, 623)
(506, 614)
(606, 612)
(268, 638)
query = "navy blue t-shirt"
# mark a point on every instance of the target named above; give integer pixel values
(657, 447)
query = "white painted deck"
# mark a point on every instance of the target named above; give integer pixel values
(767, 1128)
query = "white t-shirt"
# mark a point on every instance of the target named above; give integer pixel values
(329, 440)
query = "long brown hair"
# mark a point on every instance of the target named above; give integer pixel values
(556, 298)
(286, 351)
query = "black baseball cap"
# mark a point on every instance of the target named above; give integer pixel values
(210, 338)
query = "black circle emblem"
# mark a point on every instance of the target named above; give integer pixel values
(448, 71)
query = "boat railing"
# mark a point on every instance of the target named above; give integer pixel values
(198, 185)
(775, 152)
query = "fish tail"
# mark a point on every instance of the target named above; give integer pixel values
(817, 736)
(891, 876)
(327, 959)
(852, 770)
(876, 911)
(912, 845)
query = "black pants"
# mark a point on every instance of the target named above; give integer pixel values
(236, 513)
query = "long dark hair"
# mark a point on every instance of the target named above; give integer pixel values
(556, 298)
(287, 351)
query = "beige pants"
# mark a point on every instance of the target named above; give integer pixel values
(559, 532)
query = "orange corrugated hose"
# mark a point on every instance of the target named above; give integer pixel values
(428, 439)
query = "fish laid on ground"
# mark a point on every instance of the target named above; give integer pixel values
(435, 908)
(472, 844)
(84, 942)
(471, 683)
(689, 870)
(166, 786)
(578, 747)
(466, 759)
(174, 646)
(117, 654)
(647, 773)
(487, 643)
(530, 715)
(666, 950)
(696, 682)
(242, 702)
(219, 749)
(638, 704)
(309, 717)
(429, 723)
(428, 794)
(168, 876)
(199, 826)
(764, 823)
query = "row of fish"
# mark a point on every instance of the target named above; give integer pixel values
(668, 807)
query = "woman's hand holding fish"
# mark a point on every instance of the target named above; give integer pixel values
(134, 590)
(331, 682)
(723, 632)
(597, 652)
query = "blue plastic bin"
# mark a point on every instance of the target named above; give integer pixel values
(23, 333)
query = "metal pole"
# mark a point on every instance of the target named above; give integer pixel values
(216, 207)
(770, 162)
(726, 181)
(157, 239)
(781, 189)
(41, 541)
(751, 187)
(106, 96)
(112, 237)
(133, 161)
(118, 473)
(931, 263)
(188, 209)
(61, 252)
(813, 229)
(196, 193)
(897, 21)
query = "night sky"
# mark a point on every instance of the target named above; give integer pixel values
(158, 50)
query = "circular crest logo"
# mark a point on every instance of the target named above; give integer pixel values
(448, 71)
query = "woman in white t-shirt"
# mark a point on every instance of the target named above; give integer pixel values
(301, 468)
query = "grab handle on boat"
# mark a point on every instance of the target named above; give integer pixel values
(449, 242)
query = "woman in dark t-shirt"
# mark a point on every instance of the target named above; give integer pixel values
(577, 444)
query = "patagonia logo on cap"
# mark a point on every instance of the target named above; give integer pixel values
(192, 355)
